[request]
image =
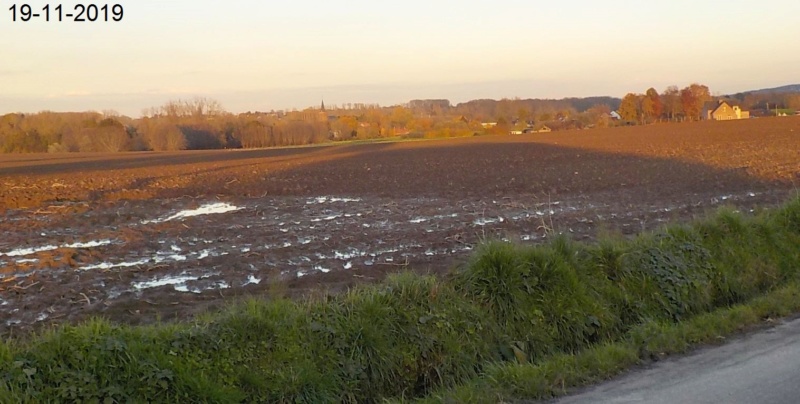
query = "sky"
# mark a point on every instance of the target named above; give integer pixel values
(263, 55)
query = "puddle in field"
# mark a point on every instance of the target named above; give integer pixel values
(435, 218)
(252, 280)
(218, 285)
(21, 252)
(167, 280)
(91, 244)
(179, 283)
(108, 265)
(326, 218)
(330, 199)
(728, 197)
(27, 261)
(208, 209)
(483, 221)
(156, 259)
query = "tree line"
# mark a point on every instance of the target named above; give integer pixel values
(687, 104)
(673, 104)
(203, 123)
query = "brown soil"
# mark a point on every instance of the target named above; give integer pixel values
(85, 234)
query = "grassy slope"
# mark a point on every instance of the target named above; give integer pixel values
(651, 340)
(518, 322)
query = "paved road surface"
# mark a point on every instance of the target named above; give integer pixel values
(758, 368)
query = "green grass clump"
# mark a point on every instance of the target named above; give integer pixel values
(515, 321)
(652, 340)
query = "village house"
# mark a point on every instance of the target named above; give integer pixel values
(539, 128)
(723, 111)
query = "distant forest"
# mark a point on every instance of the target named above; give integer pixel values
(202, 123)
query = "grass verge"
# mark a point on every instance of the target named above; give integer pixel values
(650, 341)
(516, 321)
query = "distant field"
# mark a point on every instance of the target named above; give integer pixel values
(87, 234)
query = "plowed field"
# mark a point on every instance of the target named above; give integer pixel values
(138, 236)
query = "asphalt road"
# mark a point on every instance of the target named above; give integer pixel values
(759, 368)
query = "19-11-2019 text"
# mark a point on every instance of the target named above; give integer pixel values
(59, 13)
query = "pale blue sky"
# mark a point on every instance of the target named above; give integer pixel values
(260, 55)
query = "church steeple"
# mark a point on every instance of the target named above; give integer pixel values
(322, 107)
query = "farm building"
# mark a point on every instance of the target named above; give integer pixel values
(723, 111)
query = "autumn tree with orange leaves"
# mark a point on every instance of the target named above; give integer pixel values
(630, 107)
(692, 99)
(651, 105)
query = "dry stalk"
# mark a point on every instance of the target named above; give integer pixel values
(26, 287)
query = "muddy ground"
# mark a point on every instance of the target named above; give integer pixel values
(139, 236)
